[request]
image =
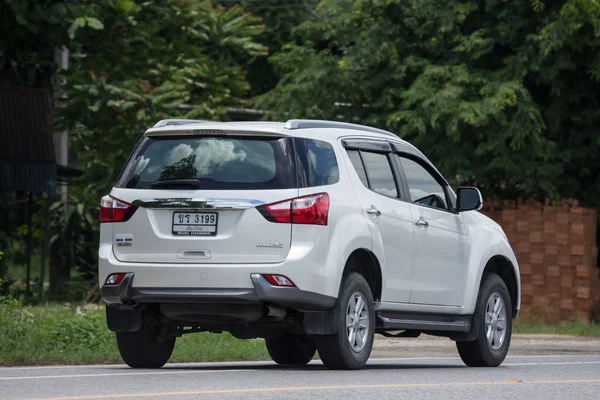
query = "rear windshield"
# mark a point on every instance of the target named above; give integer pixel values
(216, 162)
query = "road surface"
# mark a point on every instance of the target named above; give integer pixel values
(520, 377)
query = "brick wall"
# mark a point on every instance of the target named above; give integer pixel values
(555, 245)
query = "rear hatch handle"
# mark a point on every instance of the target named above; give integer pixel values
(198, 203)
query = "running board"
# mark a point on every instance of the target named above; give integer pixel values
(423, 323)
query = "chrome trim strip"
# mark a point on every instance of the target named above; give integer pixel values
(198, 203)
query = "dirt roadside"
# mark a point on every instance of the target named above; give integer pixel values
(430, 346)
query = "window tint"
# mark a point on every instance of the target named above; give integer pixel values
(317, 163)
(424, 189)
(380, 174)
(218, 163)
(358, 166)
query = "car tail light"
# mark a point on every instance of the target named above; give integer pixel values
(115, 210)
(312, 209)
(279, 212)
(115, 279)
(279, 280)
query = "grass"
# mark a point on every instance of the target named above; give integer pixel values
(574, 328)
(52, 334)
(55, 334)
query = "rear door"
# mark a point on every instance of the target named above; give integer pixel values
(198, 200)
(390, 219)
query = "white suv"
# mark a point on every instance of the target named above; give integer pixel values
(314, 235)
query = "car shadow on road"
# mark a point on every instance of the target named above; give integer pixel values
(310, 367)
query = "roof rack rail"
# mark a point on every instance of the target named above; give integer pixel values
(315, 123)
(177, 121)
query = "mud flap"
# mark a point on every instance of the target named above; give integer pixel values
(123, 320)
(320, 323)
(469, 336)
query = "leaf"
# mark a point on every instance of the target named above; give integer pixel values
(20, 19)
(78, 23)
(124, 5)
(94, 23)
(538, 5)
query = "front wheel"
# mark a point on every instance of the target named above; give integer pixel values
(493, 316)
(350, 347)
(291, 349)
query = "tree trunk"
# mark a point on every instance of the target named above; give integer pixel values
(60, 270)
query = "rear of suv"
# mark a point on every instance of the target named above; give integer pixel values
(310, 234)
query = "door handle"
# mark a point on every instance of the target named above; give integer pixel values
(373, 211)
(422, 222)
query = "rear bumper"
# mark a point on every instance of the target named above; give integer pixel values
(125, 295)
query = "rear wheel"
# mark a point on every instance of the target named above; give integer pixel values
(493, 315)
(291, 349)
(143, 349)
(350, 347)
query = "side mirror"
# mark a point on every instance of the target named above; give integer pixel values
(468, 199)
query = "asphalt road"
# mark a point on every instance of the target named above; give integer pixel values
(520, 377)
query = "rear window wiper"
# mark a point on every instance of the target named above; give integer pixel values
(192, 182)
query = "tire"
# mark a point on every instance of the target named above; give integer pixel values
(335, 350)
(291, 349)
(484, 352)
(141, 349)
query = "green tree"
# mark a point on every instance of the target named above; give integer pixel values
(147, 61)
(280, 18)
(132, 64)
(502, 94)
(29, 33)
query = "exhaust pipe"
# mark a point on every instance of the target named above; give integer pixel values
(276, 312)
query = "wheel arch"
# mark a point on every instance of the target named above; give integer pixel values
(365, 262)
(503, 267)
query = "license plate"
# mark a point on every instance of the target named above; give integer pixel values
(195, 224)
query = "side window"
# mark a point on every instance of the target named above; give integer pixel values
(424, 189)
(317, 163)
(379, 171)
(358, 166)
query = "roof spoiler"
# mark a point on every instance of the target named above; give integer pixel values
(178, 121)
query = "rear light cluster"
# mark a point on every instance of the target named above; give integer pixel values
(115, 210)
(312, 210)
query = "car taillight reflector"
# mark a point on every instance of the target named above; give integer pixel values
(115, 279)
(312, 209)
(115, 210)
(279, 280)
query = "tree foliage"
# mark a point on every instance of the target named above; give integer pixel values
(499, 93)
(147, 60)
(132, 64)
(280, 18)
(29, 33)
